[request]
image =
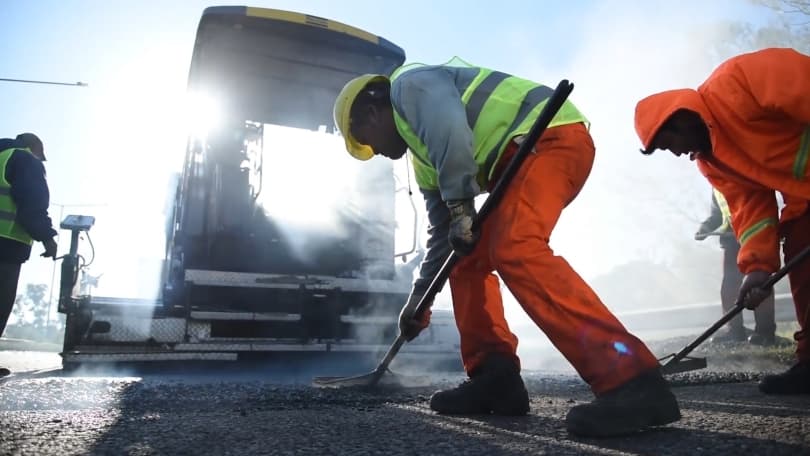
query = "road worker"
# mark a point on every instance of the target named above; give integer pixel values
(718, 223)
(24, 217)
(748, 129)
(462, 125)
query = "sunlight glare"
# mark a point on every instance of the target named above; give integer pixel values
(204, 112)
(306, 177)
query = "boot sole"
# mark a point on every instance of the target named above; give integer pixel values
(486, 410)
(658, 416)
(515, 411)
(519, 406)
(521, 398)
(511, 412)
(479, 410)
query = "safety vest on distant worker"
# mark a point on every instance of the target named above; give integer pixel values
(499, 107)
(723, 205)
(9, 228)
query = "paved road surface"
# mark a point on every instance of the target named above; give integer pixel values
(218, 409)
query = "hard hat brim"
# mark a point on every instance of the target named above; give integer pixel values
(342, 114)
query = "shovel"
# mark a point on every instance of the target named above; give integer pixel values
(554, 103)
(680, 362)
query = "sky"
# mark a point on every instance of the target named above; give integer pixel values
(113, 145)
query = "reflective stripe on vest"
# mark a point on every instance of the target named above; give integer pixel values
(800, 164)
(498, 108)
(9, 228)
(724, 209)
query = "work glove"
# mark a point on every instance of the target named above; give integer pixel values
(705, 230)
(50, 248)
(701, 235)
(752, 292)
(410, 325)
(462, 237)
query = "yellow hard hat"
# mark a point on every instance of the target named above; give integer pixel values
(343, 107)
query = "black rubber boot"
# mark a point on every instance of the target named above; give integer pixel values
(795, 380)
(764, 340)
(643, 402)
(768, 340)
(731, 335)
(494, 387)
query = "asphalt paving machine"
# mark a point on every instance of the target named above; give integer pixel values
(277, 241)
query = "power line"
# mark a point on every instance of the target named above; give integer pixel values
(29, 81)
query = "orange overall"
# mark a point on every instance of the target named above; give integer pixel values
(514, 242)
(757, 108)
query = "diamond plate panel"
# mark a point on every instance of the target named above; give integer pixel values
(199, 330)
(142, 329)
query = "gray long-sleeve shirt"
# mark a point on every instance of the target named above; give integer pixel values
(429, 100)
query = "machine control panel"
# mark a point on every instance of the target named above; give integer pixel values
(78, 222)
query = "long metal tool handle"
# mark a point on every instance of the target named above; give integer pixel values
(553, 105)
(739, 307)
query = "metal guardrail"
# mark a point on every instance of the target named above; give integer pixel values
(11, 344)
(696, 315)
(691, 318)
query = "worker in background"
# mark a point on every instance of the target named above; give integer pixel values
(748, 129)
(719, 223)
(24, 200)
(462, 125)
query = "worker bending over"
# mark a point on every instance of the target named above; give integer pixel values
(462, 125)
(748, 129)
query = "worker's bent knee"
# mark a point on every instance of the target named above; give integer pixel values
(518, 250)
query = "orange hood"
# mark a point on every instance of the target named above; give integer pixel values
(653, 111)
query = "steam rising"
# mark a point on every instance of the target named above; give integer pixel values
(635, 216)
(629, 233)
(316, 192)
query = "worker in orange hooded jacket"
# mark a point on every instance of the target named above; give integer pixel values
(748, 129)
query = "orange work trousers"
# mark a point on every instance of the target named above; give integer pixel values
(797, 237)
(514, 242)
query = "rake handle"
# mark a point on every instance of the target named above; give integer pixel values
(552, 106)
(739, 307)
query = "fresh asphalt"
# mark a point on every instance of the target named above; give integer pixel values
(271, 408)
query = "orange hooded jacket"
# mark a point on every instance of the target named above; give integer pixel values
(757, 108)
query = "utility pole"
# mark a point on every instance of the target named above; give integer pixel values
(30, 81)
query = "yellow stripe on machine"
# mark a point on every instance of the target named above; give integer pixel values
(314, 21)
